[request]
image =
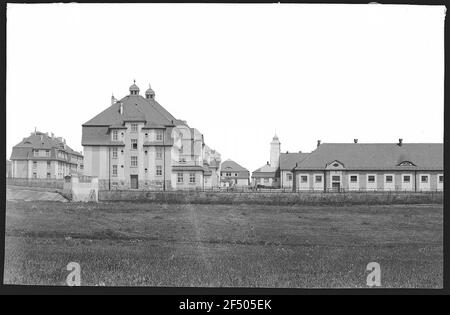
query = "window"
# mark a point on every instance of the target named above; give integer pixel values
(34, 164)
(115, 135)
(335, 165)
(304, 179)
(266, 180)
(134, 127)
(114, 153)
(158, 170)
(134, 161)
(336, 178)
(353, 178)
(47, 152)
(406, 178)
(81, 166)
(134, 144)
(114, 170)
(389, 178)
(159, 153)
(159, 135)
(441, 178)
(192, 177)
(406, 163)
(235, 174)
(48, 175)
(289, 177)
(34, 175)
(318, 178)
(371, 178)
(180, 177)
(181, 150)
(49, 164)
(228, 174)
(424, 178)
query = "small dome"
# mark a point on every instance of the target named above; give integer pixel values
(134, 89)
(149, 93)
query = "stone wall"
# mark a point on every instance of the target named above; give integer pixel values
(36, 182)
(274, 198)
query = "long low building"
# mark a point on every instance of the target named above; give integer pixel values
(371, 167)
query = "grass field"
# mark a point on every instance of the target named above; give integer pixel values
(142, 244)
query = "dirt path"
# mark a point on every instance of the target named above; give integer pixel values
(32, 195)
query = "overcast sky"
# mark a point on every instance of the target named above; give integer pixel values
(237, 73)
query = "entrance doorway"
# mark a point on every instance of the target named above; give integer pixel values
(336, 183)
(134, 182)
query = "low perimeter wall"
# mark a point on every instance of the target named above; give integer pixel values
(36, 182)
(275, 198)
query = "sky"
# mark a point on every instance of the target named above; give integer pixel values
(239, 73)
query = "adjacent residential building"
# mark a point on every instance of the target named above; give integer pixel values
(372, 166)
(8, 169)
(233, 175)
(136, 143)
(45, 156)
(288, 161)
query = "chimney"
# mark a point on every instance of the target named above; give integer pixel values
(318, 143)
(121, 109)
(400, 141)
(287, 152)
(113, 100)
(355, 140)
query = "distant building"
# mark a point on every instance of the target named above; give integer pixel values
(44, 156)
(136, 143)
(277, 173)
(233, 175)
(372, 166)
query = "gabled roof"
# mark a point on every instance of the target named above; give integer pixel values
(376, 156)
(288, 160)
(232, 166)
(265, 171)
(135, 107)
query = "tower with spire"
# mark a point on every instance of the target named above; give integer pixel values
(275, 150)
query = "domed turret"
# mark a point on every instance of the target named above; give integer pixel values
(134, 89)
(149, 94)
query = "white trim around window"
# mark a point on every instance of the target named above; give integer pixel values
(371, 185)
(424, 185)
(407, 185)
(439, 184)
(353, 185)
(389, 185)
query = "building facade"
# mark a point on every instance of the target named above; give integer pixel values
(45, 156)
(371, 167)
(233, 175)
(137, 144)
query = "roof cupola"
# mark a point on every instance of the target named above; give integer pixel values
(134, 89)
(150, 94)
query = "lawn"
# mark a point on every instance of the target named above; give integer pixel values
(144, 244)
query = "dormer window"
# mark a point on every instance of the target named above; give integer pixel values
(335, 164)
(406, 163)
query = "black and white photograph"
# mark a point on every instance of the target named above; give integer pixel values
(224, 145)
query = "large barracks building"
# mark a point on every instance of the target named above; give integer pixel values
(137, 144)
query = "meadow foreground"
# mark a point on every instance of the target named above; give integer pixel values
(144, 244)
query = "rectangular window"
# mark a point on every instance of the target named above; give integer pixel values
(266, 180)
(353, 178)
(114, 153)
(406, 178)
(159, 153)
(158, 170)
(371, 178)
(192, 177)
(180, 177)
(134, 144)
(318, 178)
(134, 161)
(303, 179)
(336, 178)
(48, 175)
(424, 178)
(34, 175)
(441, 178)
(49, 164)
(115, 135)
(134, 127)
(34, 164)
(159, 135)
(114, 170)
(289, 177)
(47, 152)
(389, 178)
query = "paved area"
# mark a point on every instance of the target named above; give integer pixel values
(32, 195)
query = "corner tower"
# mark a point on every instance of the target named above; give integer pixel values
(275, 150)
